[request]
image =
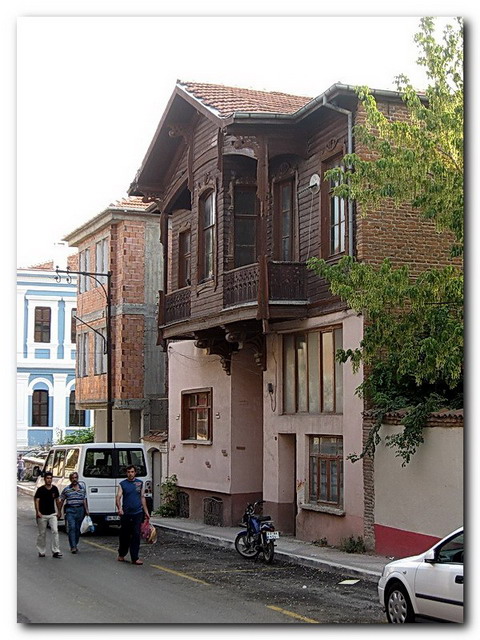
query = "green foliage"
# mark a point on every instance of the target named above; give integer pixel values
(353, 545)
(418, 160)
(412, 347)
(82, 436)
(169, 506)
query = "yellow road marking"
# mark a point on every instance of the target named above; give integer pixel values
(178, 573)
(100, 546)
(156, 566)
(292, 614)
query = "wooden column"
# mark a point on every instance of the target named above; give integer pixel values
(262, 194)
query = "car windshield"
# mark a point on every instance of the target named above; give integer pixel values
(452, 550)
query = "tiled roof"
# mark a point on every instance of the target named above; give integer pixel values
(131, 202)
(228, 100)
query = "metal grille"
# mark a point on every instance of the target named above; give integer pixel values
(183, 504)
(213, 511)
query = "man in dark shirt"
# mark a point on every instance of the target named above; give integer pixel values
(132, 508)
(46, 499)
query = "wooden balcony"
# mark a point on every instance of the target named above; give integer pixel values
(287, 283)
(177, 306)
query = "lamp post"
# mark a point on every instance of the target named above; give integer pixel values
(107, 339)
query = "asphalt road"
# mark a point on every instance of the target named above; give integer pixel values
(182, 581)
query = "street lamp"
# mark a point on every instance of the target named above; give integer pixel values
(107, 340)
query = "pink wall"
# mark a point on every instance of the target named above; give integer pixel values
(315, 522)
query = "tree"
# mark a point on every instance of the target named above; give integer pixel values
(412, 347)
(82, 436)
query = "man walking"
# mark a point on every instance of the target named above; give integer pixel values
(132, 509)
(45, 500)
(74, 497)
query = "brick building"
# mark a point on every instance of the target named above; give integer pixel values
(258, 406)
(122, 239)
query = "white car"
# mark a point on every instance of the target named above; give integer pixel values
(429, 585)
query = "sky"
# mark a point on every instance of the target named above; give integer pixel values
(91, 91)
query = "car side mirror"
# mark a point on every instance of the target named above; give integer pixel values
(430, 556)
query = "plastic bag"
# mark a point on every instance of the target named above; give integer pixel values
(145, 529)
(87, 525)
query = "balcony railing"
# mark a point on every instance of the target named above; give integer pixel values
(240, 285)
(287, 282)
(177, 306)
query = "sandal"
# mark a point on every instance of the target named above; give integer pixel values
(121, 559)
(137, 561)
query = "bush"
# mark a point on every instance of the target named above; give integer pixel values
(352, 545)
(169, 493)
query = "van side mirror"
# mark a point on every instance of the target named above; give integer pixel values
(431, 557)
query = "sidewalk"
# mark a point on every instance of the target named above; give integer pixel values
(367, 566)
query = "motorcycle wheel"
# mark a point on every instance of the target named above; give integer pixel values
(268, 552)
(245, 546)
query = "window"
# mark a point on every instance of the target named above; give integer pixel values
(333, 216)
(84, 265)
(71, 461)
(326, 470)
(100, 364)
(206, 237)
(82, 359)
(42, 324)
(99, 463)
(73, 327)
(451, 551)
(127, 457)
(101, 259)
(244, 225)
(58, 463)
(312, 379)
(284, 221)
(75, 418)
(184, 252)
(40, 409)
(197, 415)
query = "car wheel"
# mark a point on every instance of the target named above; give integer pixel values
(398, 606)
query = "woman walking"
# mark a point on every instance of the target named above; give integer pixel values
(74, 499)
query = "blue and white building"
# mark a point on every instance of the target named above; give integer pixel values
(46, 347)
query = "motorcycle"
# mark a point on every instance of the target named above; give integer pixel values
(259, 535)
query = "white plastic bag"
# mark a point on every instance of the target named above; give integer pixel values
(87, 525)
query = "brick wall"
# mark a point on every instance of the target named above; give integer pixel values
(127, 263)
(398, 232)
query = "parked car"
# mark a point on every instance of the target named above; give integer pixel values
(429, 585)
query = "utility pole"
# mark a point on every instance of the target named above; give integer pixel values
(107, 340)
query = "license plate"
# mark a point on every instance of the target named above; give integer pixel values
(272, 535)
(110, 518)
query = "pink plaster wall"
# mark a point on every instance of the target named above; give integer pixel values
(314, 524)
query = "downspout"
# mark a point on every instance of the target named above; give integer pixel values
(350, 150)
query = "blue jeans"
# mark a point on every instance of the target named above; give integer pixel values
(74, 517)
(130, 535)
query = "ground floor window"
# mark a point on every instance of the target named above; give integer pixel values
(326, 470)
(197, 415)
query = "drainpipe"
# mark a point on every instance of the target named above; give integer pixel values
(350, 150)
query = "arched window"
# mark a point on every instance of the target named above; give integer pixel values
(206, 253)
(76, 418)
(40, 408)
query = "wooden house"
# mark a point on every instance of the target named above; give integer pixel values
(258, 407)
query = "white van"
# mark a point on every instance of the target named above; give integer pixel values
(101, 466)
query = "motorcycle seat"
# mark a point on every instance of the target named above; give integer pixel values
(264, 518)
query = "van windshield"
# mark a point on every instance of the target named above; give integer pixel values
(113, 463)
